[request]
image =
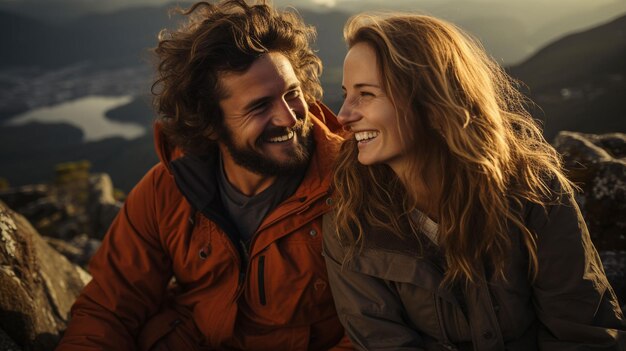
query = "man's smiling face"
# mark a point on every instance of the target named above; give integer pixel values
(267, 130)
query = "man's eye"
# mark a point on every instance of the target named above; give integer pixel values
(260, 108)
(292, 94)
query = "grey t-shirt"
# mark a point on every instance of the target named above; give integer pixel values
(247, 212)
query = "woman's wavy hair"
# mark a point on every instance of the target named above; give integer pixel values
(216, 38)
(465, 121)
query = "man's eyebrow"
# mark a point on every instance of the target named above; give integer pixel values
(294, 85)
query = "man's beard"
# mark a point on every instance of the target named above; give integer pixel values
(260, 163)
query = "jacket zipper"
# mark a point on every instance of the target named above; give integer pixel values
(242, 248)
(238, 245)
(261, 273)
(245, 251)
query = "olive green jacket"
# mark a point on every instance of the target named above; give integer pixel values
(389, 297)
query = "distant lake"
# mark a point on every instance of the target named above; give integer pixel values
(88, 114)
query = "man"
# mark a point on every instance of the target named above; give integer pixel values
(234, 209)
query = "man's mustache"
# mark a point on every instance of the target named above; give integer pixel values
(272, 132)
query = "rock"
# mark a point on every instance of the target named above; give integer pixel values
(19, 197)
(6, 343)
(40, 205)
(102, 206)
(614, 263)
(67, 209)
(597, 163)
(37, 285)
(78, 250)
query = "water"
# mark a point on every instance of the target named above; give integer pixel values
(88, 114)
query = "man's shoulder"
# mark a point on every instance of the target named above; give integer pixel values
(156, 181)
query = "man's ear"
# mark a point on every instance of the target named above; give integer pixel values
(212, 134)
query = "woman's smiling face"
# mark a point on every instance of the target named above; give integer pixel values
(368, 112)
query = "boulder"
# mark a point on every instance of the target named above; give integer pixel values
(78, 250)
(6, 343)
(37, 285)
(22, 195)
(65, 210)
(597, 164)
(101, 205)
(41, 206)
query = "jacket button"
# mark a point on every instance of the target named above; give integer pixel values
(313, 232)
(329, 201)
(203, 254)
(487, 335)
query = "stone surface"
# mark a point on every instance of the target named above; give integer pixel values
(69, 209)
(597, 164)
(78, 250)
(102, 206)
(21, 196)
(37, 285)
(6, 343)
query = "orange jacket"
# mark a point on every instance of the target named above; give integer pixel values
(277, 298)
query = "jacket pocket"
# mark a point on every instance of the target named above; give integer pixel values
(261, 278)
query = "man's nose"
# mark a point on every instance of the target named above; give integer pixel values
(284, 115)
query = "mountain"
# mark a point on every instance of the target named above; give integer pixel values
(579, 81)
(118, 38)
(122, 37)
(27, 41)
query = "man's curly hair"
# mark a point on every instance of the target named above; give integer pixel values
(223, 37)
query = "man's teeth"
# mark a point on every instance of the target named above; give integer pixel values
(281, 138)
(362, 136)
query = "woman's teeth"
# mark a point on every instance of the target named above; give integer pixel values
(363, 136)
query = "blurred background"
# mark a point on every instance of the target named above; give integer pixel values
(75, 75)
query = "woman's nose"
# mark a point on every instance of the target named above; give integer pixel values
(347, 115)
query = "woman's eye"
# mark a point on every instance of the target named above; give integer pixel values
(366, 94)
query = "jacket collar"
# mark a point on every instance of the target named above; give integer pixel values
(195, 175)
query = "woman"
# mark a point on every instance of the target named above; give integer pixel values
(456, 227)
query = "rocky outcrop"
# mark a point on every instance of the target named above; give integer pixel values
(6, 343)
(101, 204)
(64, 210)
(73, 215)
(597, 163)
(37, 286)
